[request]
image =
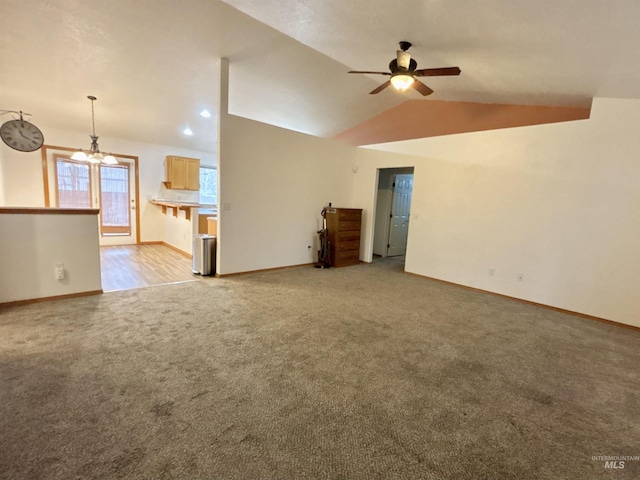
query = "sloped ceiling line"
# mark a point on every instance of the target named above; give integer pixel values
(430, 118)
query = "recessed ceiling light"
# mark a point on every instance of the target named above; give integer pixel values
(205, 113)
(187, 131)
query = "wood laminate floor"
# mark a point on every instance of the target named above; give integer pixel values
(135, 266)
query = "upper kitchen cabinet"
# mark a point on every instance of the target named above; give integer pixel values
(182, 173)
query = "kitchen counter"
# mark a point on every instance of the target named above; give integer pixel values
(177, 206)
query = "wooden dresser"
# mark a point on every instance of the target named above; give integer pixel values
(344, 226)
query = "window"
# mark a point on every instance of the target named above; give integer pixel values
(107, 187)
(208, 185)
(73, 183)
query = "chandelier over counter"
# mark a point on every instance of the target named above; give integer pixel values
(94, 155)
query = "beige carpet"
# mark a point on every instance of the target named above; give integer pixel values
(354, 373)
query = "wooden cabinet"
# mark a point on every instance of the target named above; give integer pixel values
(176, 172)
(182, 173)
(202, 222)
(193, 174)
(208, 224)
(344, 226)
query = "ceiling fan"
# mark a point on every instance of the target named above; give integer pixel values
(403, 73)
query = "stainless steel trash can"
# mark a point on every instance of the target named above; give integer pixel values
(204, 254)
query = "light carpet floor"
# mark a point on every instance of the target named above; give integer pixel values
(355, 373)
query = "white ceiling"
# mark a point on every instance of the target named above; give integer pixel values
(153, 63)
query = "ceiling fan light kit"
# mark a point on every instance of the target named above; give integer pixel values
(401, 81)
(402, 70)
(403, 60)
(94, 155)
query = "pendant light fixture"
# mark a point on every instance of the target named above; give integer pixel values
(94, 155)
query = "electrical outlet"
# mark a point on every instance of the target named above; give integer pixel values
(59, 271)
(520, 277)
(492, 272)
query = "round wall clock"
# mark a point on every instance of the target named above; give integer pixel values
(21, 135)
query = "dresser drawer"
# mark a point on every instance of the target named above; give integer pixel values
(347, 246)
(348, 225)
(349, 215)
(348, 236)
(347, 258)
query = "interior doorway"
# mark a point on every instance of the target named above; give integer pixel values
(392, 215)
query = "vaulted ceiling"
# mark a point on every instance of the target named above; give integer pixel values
(153, 63)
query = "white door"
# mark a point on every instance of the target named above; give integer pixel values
(116, 199)
(400, 207)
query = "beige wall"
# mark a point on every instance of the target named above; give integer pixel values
(559, 204)
(31, 245)
(273, 185)
(2, 195)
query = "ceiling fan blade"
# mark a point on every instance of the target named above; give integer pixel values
(371, 73)
(381, 87)
(421, 88)
(436, 72)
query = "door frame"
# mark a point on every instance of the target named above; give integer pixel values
(45, 179)
(385, 207)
